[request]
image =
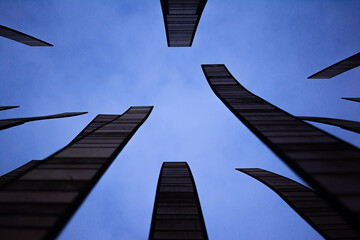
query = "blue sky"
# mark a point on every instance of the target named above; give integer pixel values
(110, 55)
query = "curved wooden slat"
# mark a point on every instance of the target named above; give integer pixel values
(327, 221)
(327, 163)
(38, 202)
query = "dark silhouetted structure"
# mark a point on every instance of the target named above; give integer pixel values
(2, 108)
(12, 122)
(21, 37)
(17, 172)
(307, 203)
(352, 99)
(42, 195)
(345, 124)
(181, 19)
(338, 68)
(177, 213)
(330, 165)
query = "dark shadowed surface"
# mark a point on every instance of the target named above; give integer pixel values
(181, 19)
(109, 55)
(307, 203)
(327, 163)
(352, 99)
(345, 124)
(2, 108)
(21, 37)
(177, 212)
(12, 122)
(38, 199)
(338, 68)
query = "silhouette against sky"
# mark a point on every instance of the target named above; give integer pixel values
(111, 55)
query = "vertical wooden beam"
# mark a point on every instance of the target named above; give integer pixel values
(177, 213)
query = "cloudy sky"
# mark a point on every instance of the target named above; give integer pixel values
(110, 55)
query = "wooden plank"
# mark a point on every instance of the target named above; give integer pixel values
(325, 219)
(353, 126)
(181, 20)
(43, 195)
(177, 212)
(338, 68)
(296, 144)
(12, 122)
(22, 37)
